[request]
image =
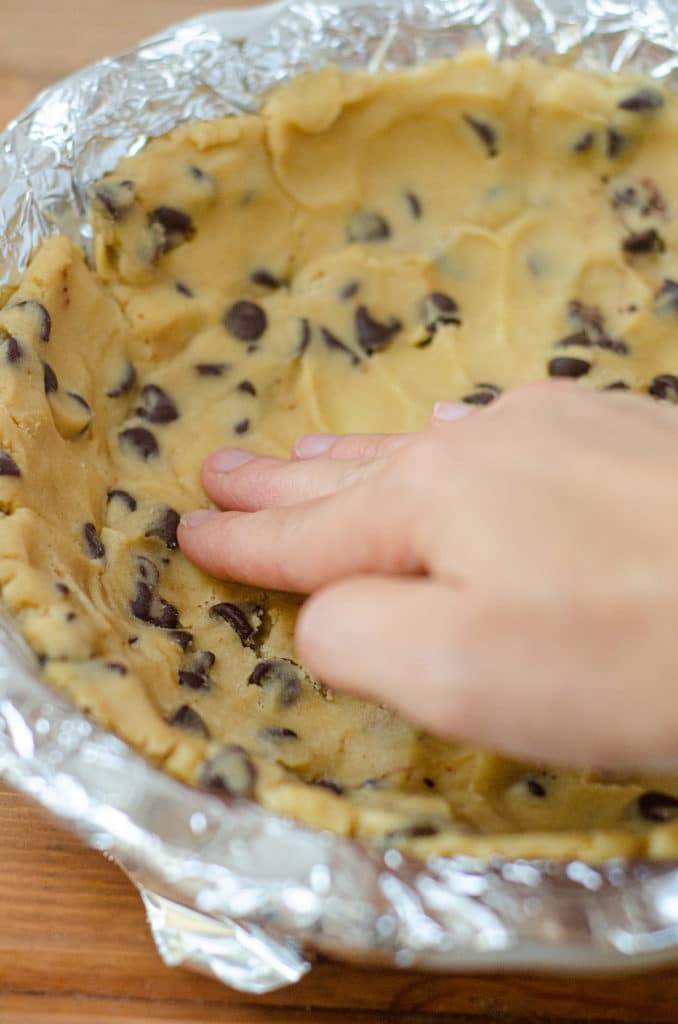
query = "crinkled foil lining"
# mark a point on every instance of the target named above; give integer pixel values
(233, 890)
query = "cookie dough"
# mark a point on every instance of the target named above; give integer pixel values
(364, 246)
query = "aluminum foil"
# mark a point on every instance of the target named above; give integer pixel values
(233, 890)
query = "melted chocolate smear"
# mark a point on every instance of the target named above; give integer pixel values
(335, 345)
(126, 383)
(93, 544)
(568, 366)
(330, 784)
(246, 321)
(156, 405)
(644, 101)
(485, 133)
(284, 675)
(182, 637)
(164, 527)
(141, 441)
(8, 466)
(230, 771)
(374, 336)
(187, 718)
(50, 379)
(366, 226)
(125, 497)
(245, 618)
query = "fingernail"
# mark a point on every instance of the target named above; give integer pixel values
(310, 445)
(197, 518)
(227, 459)
(448, 411)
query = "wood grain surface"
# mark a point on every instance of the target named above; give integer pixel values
(74, 946)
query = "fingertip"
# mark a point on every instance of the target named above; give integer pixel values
(223, 460)
(449, 412)
(309, 446)
(191, 520)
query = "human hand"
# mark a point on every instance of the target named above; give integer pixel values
(508, 578)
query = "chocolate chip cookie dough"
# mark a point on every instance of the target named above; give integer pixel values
(362, 247)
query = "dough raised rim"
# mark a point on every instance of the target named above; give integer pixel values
(363, 247)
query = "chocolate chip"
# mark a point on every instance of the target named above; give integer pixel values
(70, 616)
(247, 388)
(643, 101)
(656, 806)
(181, 637)
(616, 143)
(117, 667)
(193, 680)
(334, 344)
(148, 607)
(203, 661)
(535, 787)
(304, 338)
(164, 527)
(242, 426)
(568, 366)
(61, 588)
(429, 783)
(330, 784)
(584, 143)
(245, 618)
(147, 570)
(438, 309)
(484, 394)
(278, 732)
(79, 400)
(44, 319)
(124, 496)
(666, 299)
(615, 345)
(211, 369)
(578, 338)
(126, 382)
(116, 197)
(649, 241)
(95, 548)
(13, 351)
(132, 640)
(141, 441)
(50, 380)
(246, 321)
(187, 718)
(415, 204)
(374, 336)
(177, 226)
(183, 289)
(349, 290)
(617, 385)
(665, 387)
(485, 133)
(418, 831)
(590, 318)
(230, 771)
(366, 226)
(265, 278)
(8, 466)
(283, 675)
(198, 173)
(156, 405)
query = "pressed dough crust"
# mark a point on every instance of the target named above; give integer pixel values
(537, 201)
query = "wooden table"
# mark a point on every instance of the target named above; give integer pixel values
(74, 947)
